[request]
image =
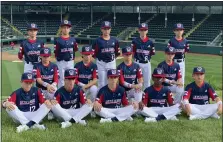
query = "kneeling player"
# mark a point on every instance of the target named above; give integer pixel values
(130, 75)
(23, 106)
(196, 99)
(66, 106)
(157, 101)
(111, 102)
(172, 72)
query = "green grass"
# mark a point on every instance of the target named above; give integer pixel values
(136, 131)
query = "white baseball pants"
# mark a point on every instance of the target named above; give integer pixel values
(137, 96)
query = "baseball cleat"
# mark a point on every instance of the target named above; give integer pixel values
(82, 122)
(22, 128)
(194, 117)
(93, 114)
(215, 116)
(150, 119)
(174, 118)
(50, 116)
(104, 120)
(66, 124)
(38, 126)
(129, 119)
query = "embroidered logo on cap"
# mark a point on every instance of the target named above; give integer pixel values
(71, 72)
(65, 22)
(128, 49)
(199, 68)
(106, 23)
(179, 25)
(113, 71)
(46, 51)
(143, 25)
(29, 76)
(87, 48)
(33, 25)
(171, 49)
(159, 71)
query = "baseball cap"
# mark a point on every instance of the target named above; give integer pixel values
(45, 52)
(170, 50)
(143, 26)
(70, 74)
(113, 73)
(105, 24)
(198, 70)
(27, 77)
(158, 72)
(32, 26)
(178, 26)
(127, 50)
(65, 23)
(87, 50)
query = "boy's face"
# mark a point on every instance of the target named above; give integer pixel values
(199, 77)
(69, 83)
(45, 58)
(65, 30)
(158, 80)
(87, 58)
(32, 32)
(143, 32)
(113, 80)
(106, 31)
(127, 57)
(169, 56)
(179, 32)
(26, 86)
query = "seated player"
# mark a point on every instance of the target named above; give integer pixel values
(27, 105)
(46, 74)
(68, 99)
(157, 103)
(130, 75)
(172, 73)
(87, 74)
(196, 100)
(111, 102)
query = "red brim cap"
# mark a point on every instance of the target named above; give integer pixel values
(45, 55)
(70, 77)
(113, 76)
(179, 29)
(106, 27)
(128, 53)
(143, 29)
(198, 72)
(87, 53)
(158, 76)
(32, 29)
(28, 80)
(66, 25)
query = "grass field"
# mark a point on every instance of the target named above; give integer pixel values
(136, 131)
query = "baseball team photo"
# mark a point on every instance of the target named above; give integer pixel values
(125, 71)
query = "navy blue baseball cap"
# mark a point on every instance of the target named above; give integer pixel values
(199, 70)
(70, 74)
(158, 73)
(87, 50)
(170, 50)
(127, 50)
(143, 26)
(113, 73)
(105, 24)
(27, 77)
(45, 52)
(32, 26)
(178, 26)
(65, 23)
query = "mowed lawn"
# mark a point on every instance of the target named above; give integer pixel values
(136, 131)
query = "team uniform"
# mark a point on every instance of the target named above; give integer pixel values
(181, 47)
(198, 97)
(143, 50)
(159, 101)
(105, 52)
(64, 49)
(130, 75)
(172, 72)
(30, 49)
(114, 102)
(29, 106)
(70, 104)
(84, 75)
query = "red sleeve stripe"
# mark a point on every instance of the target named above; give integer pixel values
(145, 98)
(55, 76)
(212, 94)
(41, 97)
(12, 98)
(125, 100)
(101, 99)
(133, 48)
(56, 48)
(38, 74)
(187, 94)
(82, 97)
(170, 98)
(139, 73)
(179, 74)
(95, 51)
(95, 74)
(75, 47)
(58, 98)
(121, 78)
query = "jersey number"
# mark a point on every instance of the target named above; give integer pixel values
(32, 108)
(73, 106)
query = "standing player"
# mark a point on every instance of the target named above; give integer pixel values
(66, 105)
(172, 72)
(157, 101)
(111, 102)
(87, 73)
(130, 75)
(143, 49)
(12, 44)
(27, 105)
(30, 48)
(64, 49)
(46, 74)
(181, 46)
(197, 97)
(106, 50)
